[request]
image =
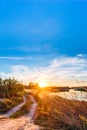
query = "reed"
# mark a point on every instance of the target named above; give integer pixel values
(57, 113)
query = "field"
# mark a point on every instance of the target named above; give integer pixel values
(57, 113)
(45, 108)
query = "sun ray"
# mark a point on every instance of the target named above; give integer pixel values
(42, 84)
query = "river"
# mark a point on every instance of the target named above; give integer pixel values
(73, 95)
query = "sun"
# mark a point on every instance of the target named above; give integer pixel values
(42, 84)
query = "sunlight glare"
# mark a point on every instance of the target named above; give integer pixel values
(42, 84)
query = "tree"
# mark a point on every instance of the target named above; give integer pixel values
(10, 88)
(33, 85)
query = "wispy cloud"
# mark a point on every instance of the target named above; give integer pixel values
(25, 49)
(47, 28)
(10, 58)
(20, 58)
(81, 55)
(33, 48)
(60, 71)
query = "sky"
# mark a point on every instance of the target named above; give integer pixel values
(44, 40)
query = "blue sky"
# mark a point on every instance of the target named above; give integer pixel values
(35, 33)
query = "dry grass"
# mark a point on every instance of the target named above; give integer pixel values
(24, 110)
(56, 113)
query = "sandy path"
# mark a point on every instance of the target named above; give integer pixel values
(9, 113)
(22, 123)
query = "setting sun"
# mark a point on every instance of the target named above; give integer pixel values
(42, 84)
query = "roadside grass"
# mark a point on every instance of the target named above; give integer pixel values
(24, 110)
(57, 113)
(6, 103)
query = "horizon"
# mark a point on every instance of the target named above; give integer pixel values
(44, 41)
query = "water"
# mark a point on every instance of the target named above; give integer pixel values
(73, 95)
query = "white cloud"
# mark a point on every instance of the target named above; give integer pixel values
(25, 49)
(60, 71)
(19, 58)
(11, 58)
(81, 55)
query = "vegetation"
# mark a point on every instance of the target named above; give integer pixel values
(11, 94)
(33, 85)
(83, 88)
(24, 110)
(53, 112)
(56, 113)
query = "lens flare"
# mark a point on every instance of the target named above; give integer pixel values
(42, 84)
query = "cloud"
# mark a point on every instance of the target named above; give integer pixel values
(81, 55)
(10, 58)
(35, 29)
(35, 47)
(19, 58)
(60, 71)
(46, 28)
(25, 49)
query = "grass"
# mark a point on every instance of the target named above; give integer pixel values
(24, 110)
(57, 113)
(6, 104)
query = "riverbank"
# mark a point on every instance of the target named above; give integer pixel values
(48, 111)
(55, 113)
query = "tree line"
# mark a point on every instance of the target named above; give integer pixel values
(10, 88)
